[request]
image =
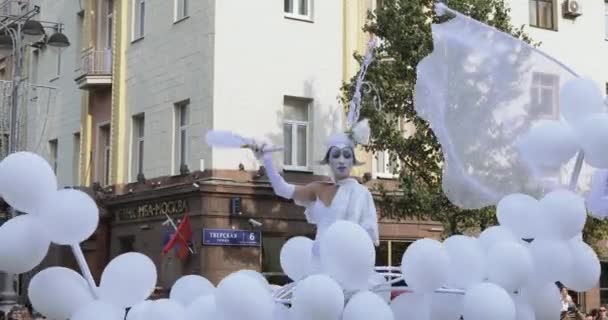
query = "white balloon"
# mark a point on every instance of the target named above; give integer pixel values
(425, 265)
(98, 310)
(411, 306)
(580, 97)
(523, 311)
(137, 312)
(70, 216)
(510, 265)
(188, 288)
(296, 257)
(520, 214)
(239, 296)
(257, 276)
(202, 307)
(26, 179)
(488, 301)
(593, 138)
(586, 268)
(563, 213)
(128, 279)
(552, 259)
(164, 309)
(366, 305)
(348, 255)
(446, 306)
(24, 244)
(467, 261)
(545, 301)
(317, 297)
(494, 235)
(57, 292)
(549, 144)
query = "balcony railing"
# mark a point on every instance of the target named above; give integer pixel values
(95, 68)
(96, 62)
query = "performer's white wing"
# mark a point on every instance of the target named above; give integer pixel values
(227, 139)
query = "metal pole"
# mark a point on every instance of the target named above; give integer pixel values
(15, 91)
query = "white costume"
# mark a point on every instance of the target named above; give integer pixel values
(352, 202)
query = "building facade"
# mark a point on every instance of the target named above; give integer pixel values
(142, 83)
(144, 80)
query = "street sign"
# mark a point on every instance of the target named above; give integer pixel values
(229, 237)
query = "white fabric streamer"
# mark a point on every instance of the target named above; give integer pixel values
(479, 90)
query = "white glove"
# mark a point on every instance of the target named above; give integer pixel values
(279, 185)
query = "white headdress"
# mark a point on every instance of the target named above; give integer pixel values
(357, 132)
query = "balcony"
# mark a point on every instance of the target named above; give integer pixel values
(95, 69)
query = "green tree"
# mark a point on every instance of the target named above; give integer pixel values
(405, 29)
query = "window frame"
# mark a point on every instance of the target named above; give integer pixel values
(606, 20)
(389, 257)
(138, 29)
(181, 154)
(555, 115)
(387, 172)
(54, 154)
(294, 166)
(103, 152)
(138, 138)
(109, 23)
(295, 9)
(537, 16)
(177, 15)
(76, 159)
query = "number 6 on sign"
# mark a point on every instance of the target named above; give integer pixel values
(252, 236)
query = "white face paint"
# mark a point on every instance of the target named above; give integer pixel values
(341, 161)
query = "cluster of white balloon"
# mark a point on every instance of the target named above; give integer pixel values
(501, 275)
(552, 143)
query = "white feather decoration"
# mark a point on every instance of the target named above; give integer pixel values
(227, 139)
(361, 132)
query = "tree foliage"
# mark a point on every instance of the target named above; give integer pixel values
(405, 29)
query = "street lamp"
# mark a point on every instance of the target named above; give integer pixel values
(13, 32)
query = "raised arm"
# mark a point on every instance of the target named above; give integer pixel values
(301, 194)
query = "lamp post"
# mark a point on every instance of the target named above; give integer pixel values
(14, 33)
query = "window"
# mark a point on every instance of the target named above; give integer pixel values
(604, 284)
(541, 14)
(390, 252)
(127, 244)
(181, 9)
(53, 154)
(384, 166)
(606, 20)
(109, 23)
(58, 65)
(545, 91)
(76, 160)
(139, 18)
(137, 154)
(298, 8)
(295, 132)
(182, 120)
(103, 172)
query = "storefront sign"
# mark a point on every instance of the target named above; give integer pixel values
(228, 237)
(152, 210)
